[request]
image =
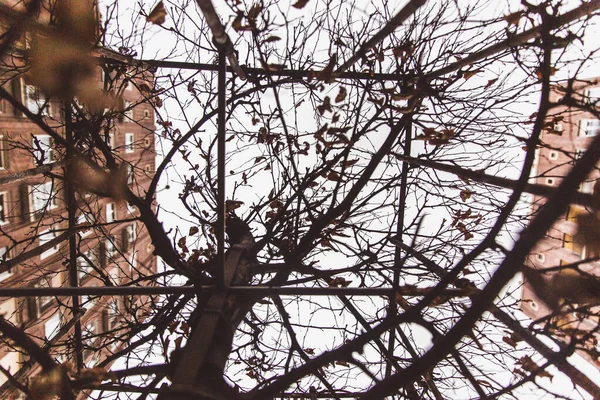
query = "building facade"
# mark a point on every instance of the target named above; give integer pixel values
(567, 134)
(111, 245)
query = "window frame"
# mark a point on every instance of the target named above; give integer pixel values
(56, 321)
(110, 212)
(41, 150)
(584, 127)
(129, 141)
(5, 256)
(53, 250)
(3, 153)
(50, 203)
(4, 217)
(33, 96)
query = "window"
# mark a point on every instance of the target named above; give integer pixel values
(10, 362)
(3, 208)
(43, 152)
(558, 127)
(3, 153)
(587, 187)
(42, 197)
(589, 127)
(540, 257)
(45, 237)
(85, 219)
(52, 326)
(43, 302)
(533, 305)
(110, 212)
(147, 142)
(128, 111)
(130, 208)
(553, 155)
(550, 181)
(113, 314)
(593, 94)
(129, 174)
(110, 247)
(85, 264)
(128, 237)
(129, 138)
(148, 169)
(579, 153)
(146, 114)
(36, 101)
(4, 256)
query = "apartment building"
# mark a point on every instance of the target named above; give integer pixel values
(112, 247)
(567, 134)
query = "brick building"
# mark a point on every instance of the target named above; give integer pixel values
(567, 135)
(112, 247)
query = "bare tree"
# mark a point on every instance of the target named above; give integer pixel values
(337, 203)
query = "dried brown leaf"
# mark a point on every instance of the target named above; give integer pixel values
(158, 15)
(300, 4)
(341, 95)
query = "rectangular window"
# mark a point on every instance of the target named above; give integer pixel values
(110, 246)
(129, 174)
(128, 237)
(579, 153)
(113, 314)
(3, 208)
(45, 237)
(587, 187)
(128, 111)
(589, 127)
(10, 362)
(129, 138)
(110, 212)
(4, 256)
(42, 198)
(3, 153)
(85, 264)
(593, 94)
(52, 326)
(43, 302)
(36, 101)
(85, 219)
(43, 153)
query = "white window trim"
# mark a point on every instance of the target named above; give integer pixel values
(3, 208)
(38, 103)
(52, 250)
(6, 274)
(47, 189)
(52, 326)
(553, 155)
(110, 247)
(110, 212)
(84, 268)
(45, 145)
(3, 153)
(85, 218)
(550, 181)
(129, 140)
(128, 111)
(589, 127)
